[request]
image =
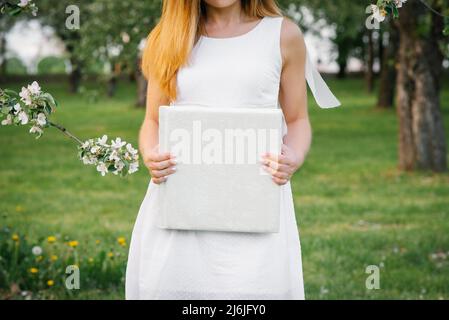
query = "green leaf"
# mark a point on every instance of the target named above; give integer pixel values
(47, 109)
(446, 26)
(395, 12)
(15, 11)
(6, 110)
(50, 100)
(10, 92)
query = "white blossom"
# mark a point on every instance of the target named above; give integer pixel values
(117, 143)
(41, 119)
(103, 140)
(101, 167)
(130, 149)
(85, 145)
(36, 129)
(399, 3)
(88, 160)
(378, 14)
(7, 121)
(23, 117)
(25, 94)
(133, 167)
(114, 156)
(119, 165)
(34, 88)
(37, 251)
(17, 108)
(94, 149)
(23, 3)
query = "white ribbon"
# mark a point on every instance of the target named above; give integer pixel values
(321, 92)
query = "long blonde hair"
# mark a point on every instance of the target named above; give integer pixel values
(169, 44)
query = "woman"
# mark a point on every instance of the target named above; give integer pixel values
(222, 53)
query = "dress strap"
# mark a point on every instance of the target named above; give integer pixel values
(321, 92)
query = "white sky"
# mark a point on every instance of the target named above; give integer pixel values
(30, 42)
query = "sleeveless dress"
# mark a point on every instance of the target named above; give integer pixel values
(242, 71)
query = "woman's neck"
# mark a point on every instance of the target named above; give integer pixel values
(223, 17)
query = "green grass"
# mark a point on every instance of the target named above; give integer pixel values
(354, 208)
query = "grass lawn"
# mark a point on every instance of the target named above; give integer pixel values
(354, 208)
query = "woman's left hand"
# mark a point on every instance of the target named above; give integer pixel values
(282, 167)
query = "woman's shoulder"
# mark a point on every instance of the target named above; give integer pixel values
(292, 38)
(290, 31)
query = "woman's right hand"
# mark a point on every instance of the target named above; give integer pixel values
(160, 165)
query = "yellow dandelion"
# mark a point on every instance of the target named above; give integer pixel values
(51, 239)
(34, 270)
(91, 260)
(121, 241)
(54, 257)
(50, 283)
(73, 243)
(19, 208)
(15, 237)
(110, 255)
(97, 241)
(39, 258)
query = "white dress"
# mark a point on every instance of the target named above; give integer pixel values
(242, 71)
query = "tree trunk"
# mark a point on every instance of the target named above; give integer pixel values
(76, 71)
(342, 69)
(342, 59)
(3, 54)
(369, 72)
(75, 74)
(112, 86)
(388, 69)
(422, 143)
(113, 80)
(141, 86)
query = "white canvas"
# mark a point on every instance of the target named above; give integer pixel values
(219, 188)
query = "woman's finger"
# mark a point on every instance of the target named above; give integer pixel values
(270, 163)
(158, 180)
(277, 174)
(278, 181)
(158, 157)
(162, 164)
(270, 156)
(163, 173)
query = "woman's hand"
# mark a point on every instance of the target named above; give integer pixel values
(160, 165)
(282, 167)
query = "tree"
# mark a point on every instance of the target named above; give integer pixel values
(51, 65)
(6, 23)
(348, 22)
(120, 28)
(388, 47)
(422, 143)
(54, 14)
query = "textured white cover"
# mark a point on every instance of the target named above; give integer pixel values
(211, 195)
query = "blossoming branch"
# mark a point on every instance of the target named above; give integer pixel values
(33, 107)
(382, 8)
(17, 8)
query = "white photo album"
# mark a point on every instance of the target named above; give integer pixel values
(219, 184)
